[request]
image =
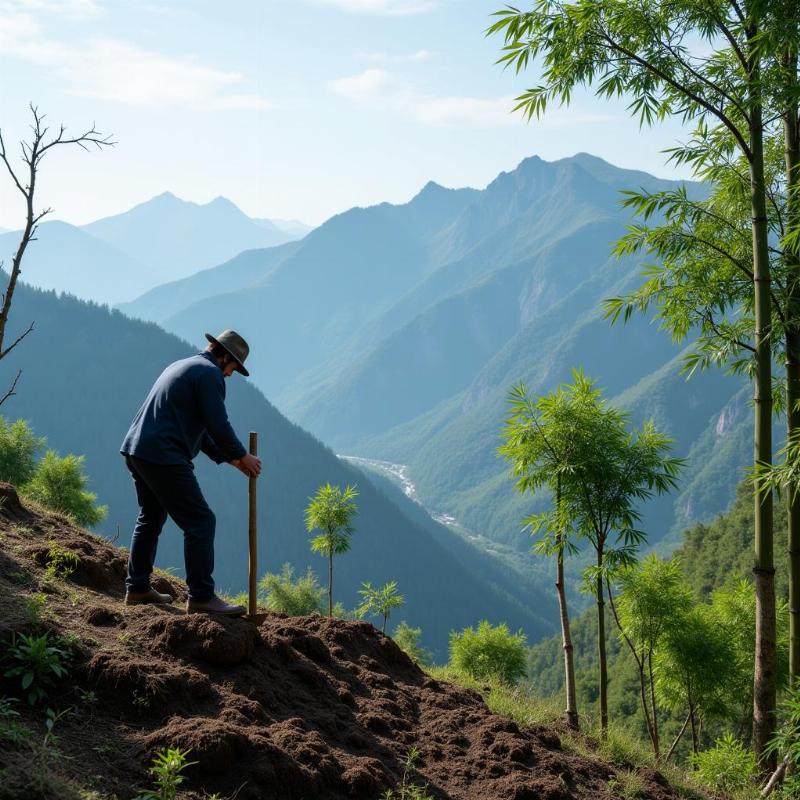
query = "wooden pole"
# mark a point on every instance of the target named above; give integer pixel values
(252, 607)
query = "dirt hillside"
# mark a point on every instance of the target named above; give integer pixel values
(295, 709)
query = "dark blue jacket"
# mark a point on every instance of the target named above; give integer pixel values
(184, 414)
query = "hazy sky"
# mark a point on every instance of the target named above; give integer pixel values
(290, 108)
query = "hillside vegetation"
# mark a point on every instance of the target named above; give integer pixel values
(712, 556)
(291, 708)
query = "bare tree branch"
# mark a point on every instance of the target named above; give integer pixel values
(33, 151)
(12, 391)
(4, 353)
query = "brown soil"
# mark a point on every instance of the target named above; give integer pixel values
(301, 708)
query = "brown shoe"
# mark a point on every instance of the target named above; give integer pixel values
(213, 606)
(150, 596)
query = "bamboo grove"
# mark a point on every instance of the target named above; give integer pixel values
(725, 271)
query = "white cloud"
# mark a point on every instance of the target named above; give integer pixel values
(393, 8)
(381, 91)
(120, 72)
(394, 58)
(362, 88)
(71, 8)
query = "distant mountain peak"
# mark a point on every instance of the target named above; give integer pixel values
(589, 158)
(163, 197)
(223, 202)
(430, 190)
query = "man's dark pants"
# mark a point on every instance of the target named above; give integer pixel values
(171, 489)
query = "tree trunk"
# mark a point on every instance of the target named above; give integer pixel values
(645, 708)
(566, 639)
(601, 642)
(656, 739)
(792, 261)
(764, 691)
(678, 737)
(640, 666)
(695, 742)
(330, 585)
(566, 636)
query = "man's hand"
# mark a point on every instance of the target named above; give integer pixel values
(248, 465)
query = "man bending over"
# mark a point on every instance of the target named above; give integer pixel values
(183, 414)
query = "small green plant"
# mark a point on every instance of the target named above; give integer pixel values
(105, 749)
(331, 510)
(379, 602)
(140, 700)
(86, 696)
(36, 610)
(124, 638)
(628, 786)
(408, 790)
(295, 597)
(407, 639)
(488, 652)
(50, 719)
(726, 767)
(167, 769)
(38, 663)
(621, 749)
(61, 563)
(11, 732)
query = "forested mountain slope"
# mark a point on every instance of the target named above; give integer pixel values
(161, 302)
(304, 315)
(68, 259)
(87, 369)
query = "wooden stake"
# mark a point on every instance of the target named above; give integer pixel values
(252, 608)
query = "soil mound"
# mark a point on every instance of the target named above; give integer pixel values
(301, 708)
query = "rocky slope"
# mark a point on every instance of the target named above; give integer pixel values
(293, 708)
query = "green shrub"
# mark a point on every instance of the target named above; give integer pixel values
(38, 663)
(60, 485)
(786, 741)
(166, 769)
(489, 652)
(12, 733)
(61, 563)
(18, 448)
(407, 639)
(379, 602)
(297, 598)
(726, 767)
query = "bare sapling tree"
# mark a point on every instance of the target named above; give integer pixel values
(40, 143)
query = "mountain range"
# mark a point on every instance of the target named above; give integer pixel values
(120, 257)
(395, 332)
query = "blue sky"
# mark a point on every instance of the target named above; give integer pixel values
(291, 108)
